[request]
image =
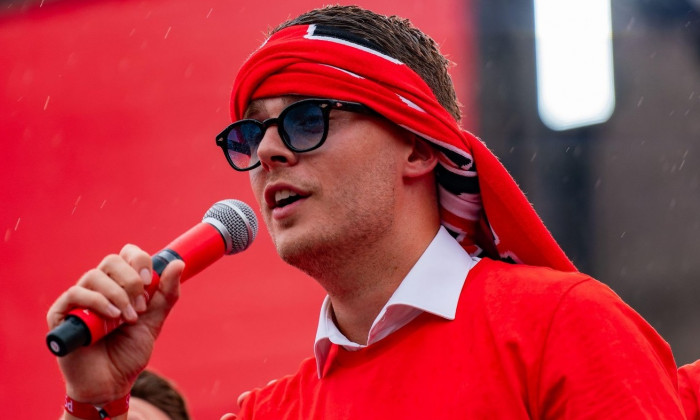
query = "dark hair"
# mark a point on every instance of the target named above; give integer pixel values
(161, 393)
(396, 37)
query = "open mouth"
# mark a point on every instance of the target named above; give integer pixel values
(286, 197)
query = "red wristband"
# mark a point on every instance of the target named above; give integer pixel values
(93, 412)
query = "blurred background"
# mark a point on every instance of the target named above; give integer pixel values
(109, 108)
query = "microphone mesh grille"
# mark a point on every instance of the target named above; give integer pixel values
(239, 219)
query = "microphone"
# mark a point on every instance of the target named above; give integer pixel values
(228, 227)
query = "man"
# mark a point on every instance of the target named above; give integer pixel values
(348, 124)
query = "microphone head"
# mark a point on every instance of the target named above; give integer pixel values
(236, 221)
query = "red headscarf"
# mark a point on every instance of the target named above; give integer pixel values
(488, 214)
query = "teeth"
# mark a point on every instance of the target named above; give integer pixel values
(283, 195)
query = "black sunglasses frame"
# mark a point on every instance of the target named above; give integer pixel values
(326, 106)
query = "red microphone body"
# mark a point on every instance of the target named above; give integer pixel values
(228, 227)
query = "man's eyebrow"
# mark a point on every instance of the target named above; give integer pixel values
(253, 108)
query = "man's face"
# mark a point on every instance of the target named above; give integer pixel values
(329, 203)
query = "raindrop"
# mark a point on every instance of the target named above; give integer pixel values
(75, 206)
(534, 155)
(46, 104)
(71, 59)
(167, 32)
(683, 160)
(17, 224)
(209, 14)
(640, 101)
(216, 386)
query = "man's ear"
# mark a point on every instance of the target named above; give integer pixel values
(422, 159)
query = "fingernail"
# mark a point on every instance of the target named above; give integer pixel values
(113, 311)
(140, 303)
(241, 398)
(146, 276)
(130, 313)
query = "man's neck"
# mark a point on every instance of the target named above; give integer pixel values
(359, 292)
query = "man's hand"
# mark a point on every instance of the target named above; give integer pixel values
(107, 369)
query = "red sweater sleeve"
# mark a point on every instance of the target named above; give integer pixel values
(602, 360)
(689, 389)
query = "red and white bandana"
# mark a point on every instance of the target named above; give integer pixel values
(488, 214)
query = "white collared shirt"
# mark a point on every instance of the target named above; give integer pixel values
(433, 285)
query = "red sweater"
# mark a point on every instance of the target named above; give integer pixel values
(689, 389)
(527, 342)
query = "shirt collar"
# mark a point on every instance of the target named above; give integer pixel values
(433, 285)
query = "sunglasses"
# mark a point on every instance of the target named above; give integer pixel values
(302, 126)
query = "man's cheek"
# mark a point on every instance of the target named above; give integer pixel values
(256, 185)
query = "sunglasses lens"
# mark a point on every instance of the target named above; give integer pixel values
(242, 143)
(304, 125)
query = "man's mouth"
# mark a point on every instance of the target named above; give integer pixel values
(285, 198)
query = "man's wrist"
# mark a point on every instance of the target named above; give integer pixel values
(68, 416)
(86, 411)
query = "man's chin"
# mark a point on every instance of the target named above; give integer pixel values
(301, 252)
(288, 244)
(293, 252)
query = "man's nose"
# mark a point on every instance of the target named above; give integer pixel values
(272, 151)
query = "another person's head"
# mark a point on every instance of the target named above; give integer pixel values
(155, 398)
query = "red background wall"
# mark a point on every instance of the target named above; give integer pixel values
(108, 111)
